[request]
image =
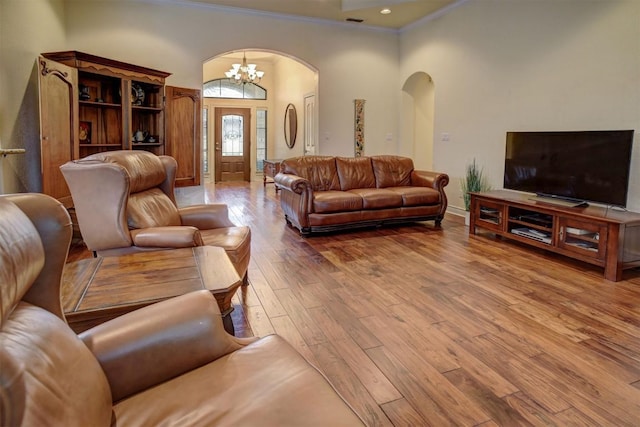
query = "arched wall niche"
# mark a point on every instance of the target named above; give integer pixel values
(418, 99)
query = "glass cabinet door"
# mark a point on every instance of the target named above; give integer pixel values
(488, 214)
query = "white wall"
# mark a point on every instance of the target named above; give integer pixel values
(501, 65)
(293, 81)
(27, 28)
(352, 63)
(496, 65)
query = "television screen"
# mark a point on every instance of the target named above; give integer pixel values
(582, 166)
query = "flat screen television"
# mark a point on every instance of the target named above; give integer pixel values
(583, 166)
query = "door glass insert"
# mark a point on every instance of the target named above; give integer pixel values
(232, 135)
(261, 134)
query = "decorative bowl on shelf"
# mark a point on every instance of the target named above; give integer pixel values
(137, 94)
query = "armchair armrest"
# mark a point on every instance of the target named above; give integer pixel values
(206, 217)
(167, 237)
(161, 341)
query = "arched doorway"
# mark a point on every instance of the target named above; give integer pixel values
(286, 80)
(418, 119)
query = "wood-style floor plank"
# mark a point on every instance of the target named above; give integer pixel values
(418, 325)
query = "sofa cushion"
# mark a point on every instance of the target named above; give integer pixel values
(392, 171)
(416, 196)
(151, 208)
(320, 171)
(282, 389)
(336, 201)
(355, 172)
(378, 198)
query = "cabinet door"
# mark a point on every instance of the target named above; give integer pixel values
(183, 114)
(58, 92)
(488, 214)
(588, 239)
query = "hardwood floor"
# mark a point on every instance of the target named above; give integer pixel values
(419, 326)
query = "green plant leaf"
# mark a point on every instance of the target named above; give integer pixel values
(474, 181)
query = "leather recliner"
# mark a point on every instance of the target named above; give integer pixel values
(170, 363)
(124, 201)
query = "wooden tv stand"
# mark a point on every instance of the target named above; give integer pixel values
(601, 236)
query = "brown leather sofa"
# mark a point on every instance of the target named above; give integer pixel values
(124, 201)
(323, 193)
(167, 364)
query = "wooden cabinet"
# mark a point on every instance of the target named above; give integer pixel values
(90, 104)
(601, 236)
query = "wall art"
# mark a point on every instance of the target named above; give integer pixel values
(359, 127)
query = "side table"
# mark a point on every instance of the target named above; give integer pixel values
(270, 169)
(98, 289)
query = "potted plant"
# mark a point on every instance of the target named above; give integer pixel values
(474, 181)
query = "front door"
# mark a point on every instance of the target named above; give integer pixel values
(232, 144)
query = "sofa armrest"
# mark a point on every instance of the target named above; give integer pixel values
(151, 345)
(435, 180)
(296, 198)
(167, 237)
(294, 183)
(206, 217)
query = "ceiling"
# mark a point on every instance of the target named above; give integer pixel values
(403, 12)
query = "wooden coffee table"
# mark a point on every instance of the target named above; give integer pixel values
(98, 289)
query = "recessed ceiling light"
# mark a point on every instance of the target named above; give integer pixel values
(385, 11)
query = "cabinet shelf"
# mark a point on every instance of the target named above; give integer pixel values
(142, 108)
(584, 238)
(145, 144)
(97, 104)
(530, 225)
(583, 245)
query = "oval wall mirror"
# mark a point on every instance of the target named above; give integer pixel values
(290, 125)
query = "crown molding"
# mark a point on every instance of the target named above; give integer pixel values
(435, 15)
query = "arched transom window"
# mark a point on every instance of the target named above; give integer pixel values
(228, 88)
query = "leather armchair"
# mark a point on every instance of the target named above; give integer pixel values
(170, 363)
(124, 201)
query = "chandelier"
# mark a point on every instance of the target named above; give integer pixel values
(245, 73)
